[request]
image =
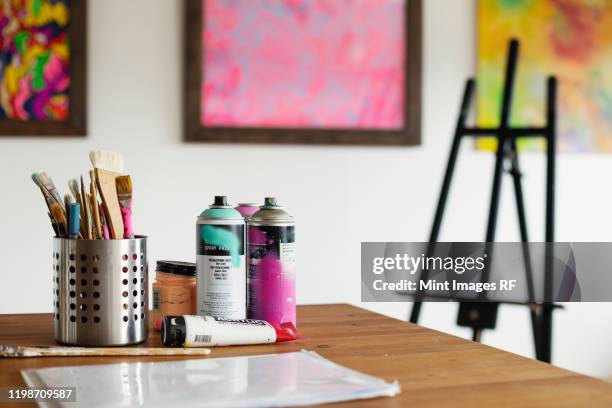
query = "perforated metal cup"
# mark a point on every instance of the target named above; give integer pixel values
(100, 291)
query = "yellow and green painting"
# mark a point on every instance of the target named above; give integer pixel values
(571, 39)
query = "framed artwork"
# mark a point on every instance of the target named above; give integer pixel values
(303, 71)
(43, 67)
(571, 39)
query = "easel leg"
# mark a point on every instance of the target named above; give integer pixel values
(515, 171)
(448, 175)
(544, 338)
(502, 140)
(546, 310)
(477, 324)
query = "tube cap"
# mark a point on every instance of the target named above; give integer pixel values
(285, 332)
(173, 331)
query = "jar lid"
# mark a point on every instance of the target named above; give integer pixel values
(177, 268)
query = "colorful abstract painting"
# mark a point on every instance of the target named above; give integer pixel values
(34, 60)
(303, 64)
(571, 39)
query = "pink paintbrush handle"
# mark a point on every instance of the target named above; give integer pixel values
(128, 225)
(105, 232)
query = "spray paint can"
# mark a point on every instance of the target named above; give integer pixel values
(247, 209)
(271, 265)
(220, 262)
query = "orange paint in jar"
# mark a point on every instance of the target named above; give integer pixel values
(174, 290)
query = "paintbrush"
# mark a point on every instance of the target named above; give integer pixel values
(42, 351)
(94, 206)
(47, 182)
(108, 166)
(68, 202)
(74, 220)
(86, 210)
(92, 228)
(68, 199)
(60, 218)
(48, 200)
(103, 222)
(73, 184)
(48, 197)
(56, 211)
(124, 195)
(96, 230)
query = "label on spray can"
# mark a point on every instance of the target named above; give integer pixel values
(271, 265)
(287, 255)
(221, 269)
(271, 274)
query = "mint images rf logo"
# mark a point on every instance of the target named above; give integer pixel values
(412, 264)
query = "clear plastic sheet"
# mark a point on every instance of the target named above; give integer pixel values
(272, 380)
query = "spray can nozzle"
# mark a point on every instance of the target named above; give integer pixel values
(270, 202)
(220, 201)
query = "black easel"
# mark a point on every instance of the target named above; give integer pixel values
(483, 315)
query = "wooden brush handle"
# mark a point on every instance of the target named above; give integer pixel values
(102, 351)
(92, 229)
(83, 229)
(94, 206)
(108, 192)
(86, 210)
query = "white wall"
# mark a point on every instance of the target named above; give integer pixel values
(135, 107)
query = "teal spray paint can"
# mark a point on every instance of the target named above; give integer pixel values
(220, 262)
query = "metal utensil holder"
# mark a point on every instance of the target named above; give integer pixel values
(100, 291)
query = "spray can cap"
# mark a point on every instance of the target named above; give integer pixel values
(270, 202)
(271, 214)
(220, 201)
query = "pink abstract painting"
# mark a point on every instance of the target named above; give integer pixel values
(304, 64)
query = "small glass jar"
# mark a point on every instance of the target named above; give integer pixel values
(174, 290)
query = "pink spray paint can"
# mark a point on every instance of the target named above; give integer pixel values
(247, 209)
(271, 265)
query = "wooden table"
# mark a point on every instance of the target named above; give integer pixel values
(433, 368)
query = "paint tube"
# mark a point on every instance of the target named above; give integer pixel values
(207, 331)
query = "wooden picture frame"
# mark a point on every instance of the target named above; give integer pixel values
(409, 135)
(76, 122)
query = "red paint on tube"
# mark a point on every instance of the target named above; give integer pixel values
(285, 332)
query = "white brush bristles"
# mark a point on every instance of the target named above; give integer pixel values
(73, 185)
(104, 160)
(68, 199)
